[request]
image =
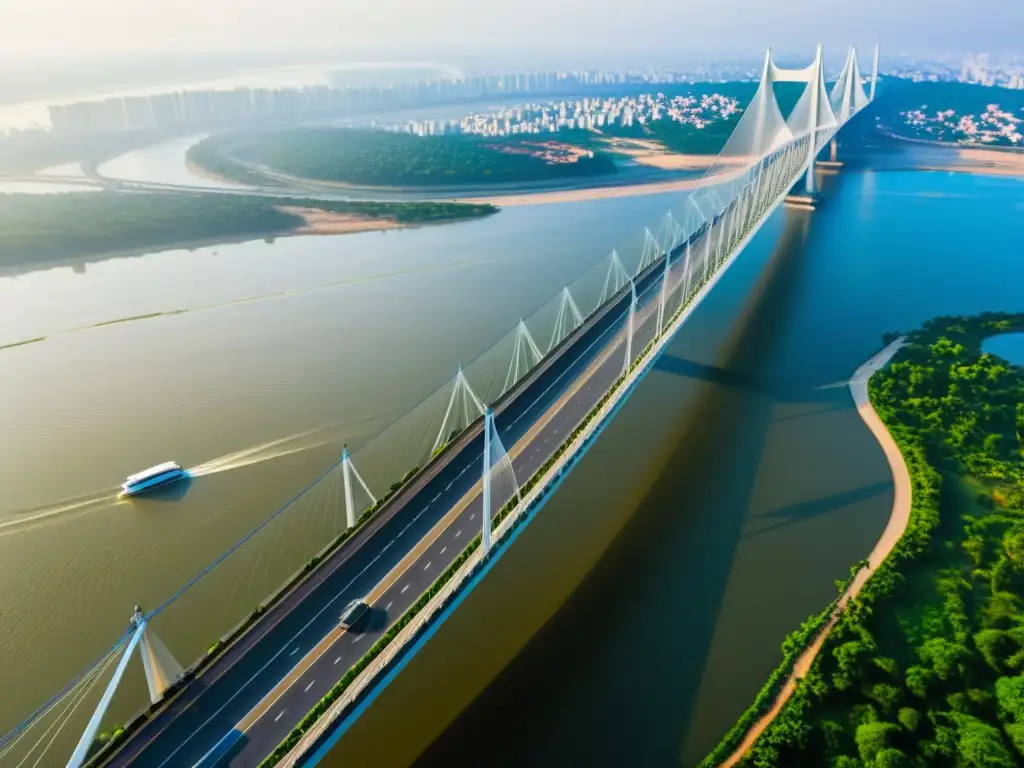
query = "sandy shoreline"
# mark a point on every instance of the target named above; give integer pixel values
(898, 520)
(654, 154)
(319, 222)
(986, 162)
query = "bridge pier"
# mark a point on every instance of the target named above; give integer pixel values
(833, 164)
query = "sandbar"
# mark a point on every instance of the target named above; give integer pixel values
(986, 162)
(319, 222)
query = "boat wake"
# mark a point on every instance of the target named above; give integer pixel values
(97, 501)
(275, 449)
(28, 518)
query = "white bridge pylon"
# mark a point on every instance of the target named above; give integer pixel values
(568, 320)
(762, 131)
(463, 405)
(616, 278)
(651, 253)
(161, 669)
(348, 471)
(525, 355)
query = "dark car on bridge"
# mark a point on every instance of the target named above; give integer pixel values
(353, 612)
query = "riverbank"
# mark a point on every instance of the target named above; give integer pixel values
(894, 529)
(924, 667)
(321, 222)
(37, 229)
(654, 154)
(988, 162)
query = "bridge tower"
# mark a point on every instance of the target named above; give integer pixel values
(630, 322)
(161, 670)
(816, 88)
(485, 516)
(874, 76)
(348, 470)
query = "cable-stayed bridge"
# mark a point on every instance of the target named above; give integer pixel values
(407, 518)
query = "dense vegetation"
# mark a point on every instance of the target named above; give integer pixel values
(83, 224)
(924, 667)
(380, 158)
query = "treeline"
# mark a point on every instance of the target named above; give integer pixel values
(925, 667)
(36, 228)
(380, 158)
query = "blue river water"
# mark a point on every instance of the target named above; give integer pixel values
(1009, 346)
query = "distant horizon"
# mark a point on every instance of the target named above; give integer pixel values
(50, 79)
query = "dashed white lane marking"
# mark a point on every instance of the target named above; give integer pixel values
(387, 607)
(278, 715)
(443, 550)
(458, 533)
(356, 639)
(294, 651)
(337, 660)
(404, 588)
(310, 685)
(427, 566)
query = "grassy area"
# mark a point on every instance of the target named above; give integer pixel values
(36, 228)
(380, 158)
(924, 667)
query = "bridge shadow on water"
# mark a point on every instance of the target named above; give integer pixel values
(806, 510)
(616, 676)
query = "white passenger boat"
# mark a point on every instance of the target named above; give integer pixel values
(160, 475)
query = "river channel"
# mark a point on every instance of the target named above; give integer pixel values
(755, 488)
(259, 360)
(253, 362)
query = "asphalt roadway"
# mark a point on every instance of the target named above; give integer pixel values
(251, 698)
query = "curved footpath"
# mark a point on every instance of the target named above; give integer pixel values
(898, 520)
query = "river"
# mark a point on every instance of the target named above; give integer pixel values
(261, 359)
(757, 487)
(254, 362)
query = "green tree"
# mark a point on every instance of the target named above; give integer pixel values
(1010, 697)
(890, 757)
(1015, 732)
(979, 745)
(872, 738)
(917, 681)
(995, 646)
(909, 718)
(946, 658)
(888, 696)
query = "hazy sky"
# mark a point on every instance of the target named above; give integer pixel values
(80, 27)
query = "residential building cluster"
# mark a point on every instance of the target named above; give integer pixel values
(978, 69)
(586, 113)
(207, 109)
(993, 126)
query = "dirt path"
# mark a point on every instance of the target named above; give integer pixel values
(898, 519)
